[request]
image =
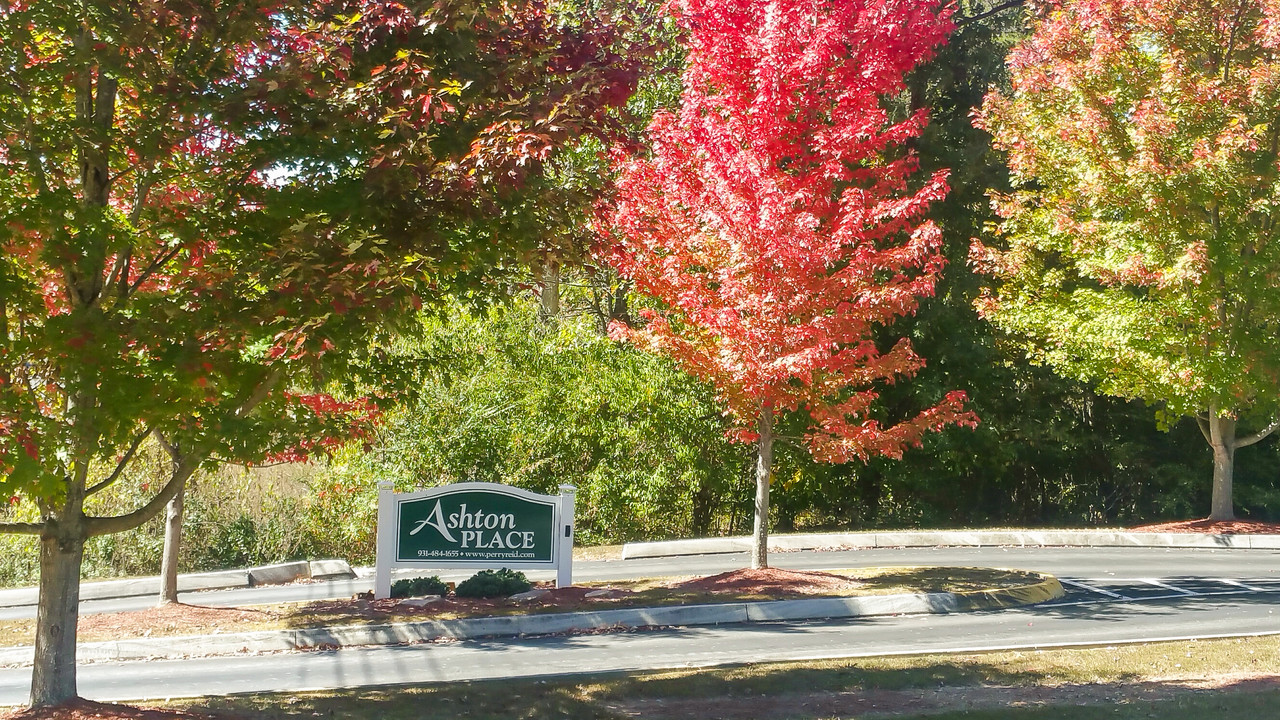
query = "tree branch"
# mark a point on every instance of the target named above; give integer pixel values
(168, 446)
(96, 526)
(21, 528)
(115, 474)
(988, 13)
(1203, 424)
(1231, 43)
(118, 280)
(185, 465)
(1258, 436)
(151, 269)
(260, 392)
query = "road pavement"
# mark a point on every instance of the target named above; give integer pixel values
(1115, 595)
(1095, 623)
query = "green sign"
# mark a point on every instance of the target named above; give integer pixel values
(473, 525)
(465, 527)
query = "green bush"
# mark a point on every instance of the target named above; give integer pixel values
(419, 587)
(490, 584)
(511, 400)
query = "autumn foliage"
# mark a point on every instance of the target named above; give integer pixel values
(778, 219)
(212, 214)
(1137, 249)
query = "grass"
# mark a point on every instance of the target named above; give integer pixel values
(639, 593)
(597, 552)
(1172, 681)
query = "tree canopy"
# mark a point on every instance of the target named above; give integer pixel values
(1136, 250)
(775, 219)
(212, 212)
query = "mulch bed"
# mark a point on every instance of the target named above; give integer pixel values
(191, 619)
(1213, 527)
(768, 581)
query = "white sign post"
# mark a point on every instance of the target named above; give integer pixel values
(474, 525)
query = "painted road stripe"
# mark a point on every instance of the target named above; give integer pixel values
(1093, 589)
(1237, 583)
(1167, 586)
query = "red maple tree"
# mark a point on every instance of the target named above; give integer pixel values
(777, 222)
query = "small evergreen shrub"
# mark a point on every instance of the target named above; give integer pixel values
(490, 584)
(419, 587)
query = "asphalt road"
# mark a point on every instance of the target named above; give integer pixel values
(1115, 595)
(1109, 623)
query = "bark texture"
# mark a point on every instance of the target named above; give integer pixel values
(172, 543)
(549, 295)
(1222, 439)
(764, 472)
(53, 679)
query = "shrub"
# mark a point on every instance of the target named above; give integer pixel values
(490, 584)
(419, 587)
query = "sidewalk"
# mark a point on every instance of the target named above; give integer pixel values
(953, 538)
(222, 580)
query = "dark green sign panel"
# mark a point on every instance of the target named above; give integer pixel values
(476, 526)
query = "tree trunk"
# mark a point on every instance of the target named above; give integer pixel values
(703, 508)
(53, 679)
(549, 296)
(1222, 438)
(870, 491)
(764, 471)
(618, 308)
(172, 543)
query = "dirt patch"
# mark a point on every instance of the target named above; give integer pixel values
(1213, 527)
(88, 710)
(870, 704)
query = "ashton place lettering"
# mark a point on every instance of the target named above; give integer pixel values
(477, 529)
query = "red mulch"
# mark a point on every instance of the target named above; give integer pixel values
(1214, 527)
(771, 580)
(187, 619)
(364, 606)
(89, 710)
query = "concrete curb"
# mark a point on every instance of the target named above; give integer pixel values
(194, 582)
(954, 538)
(1047, 588)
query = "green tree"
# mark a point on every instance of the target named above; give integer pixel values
(1136, 249)
(210, 214)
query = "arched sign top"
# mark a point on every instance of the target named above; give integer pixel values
(474, 525)
(477, 486)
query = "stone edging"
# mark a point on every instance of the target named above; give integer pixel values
(960, 538)
(1047, 588)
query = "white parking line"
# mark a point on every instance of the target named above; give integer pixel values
(1167, 586)
(1237, 583)
(1093, 589)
